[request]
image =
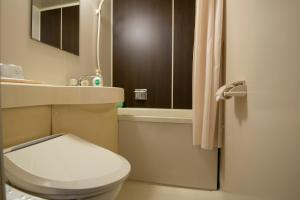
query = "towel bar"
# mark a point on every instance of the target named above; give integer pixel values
(237, 89)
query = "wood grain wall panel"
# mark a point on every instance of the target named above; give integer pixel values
(142, 57)
(70, 29)
(184, 23)
(50, 27)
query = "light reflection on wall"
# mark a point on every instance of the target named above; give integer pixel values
(140, 33)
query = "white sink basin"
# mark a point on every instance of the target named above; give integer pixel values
(22, 95)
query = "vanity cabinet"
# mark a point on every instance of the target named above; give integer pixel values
(33, 111)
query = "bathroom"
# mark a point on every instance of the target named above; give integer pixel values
(147, 112)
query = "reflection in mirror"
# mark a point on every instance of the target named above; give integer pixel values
(56, 23)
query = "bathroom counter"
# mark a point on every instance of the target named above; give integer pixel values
(23, 95)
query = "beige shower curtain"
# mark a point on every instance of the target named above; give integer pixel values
(207, 115)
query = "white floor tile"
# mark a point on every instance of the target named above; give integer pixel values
(144, 191)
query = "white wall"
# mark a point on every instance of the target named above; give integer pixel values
(261, 155)
(43, 62)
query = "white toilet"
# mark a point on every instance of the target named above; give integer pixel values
(65, 167)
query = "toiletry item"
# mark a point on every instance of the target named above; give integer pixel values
(11, 71)
(120, 105)
(98, 79)
(73, 82)
(85, 83)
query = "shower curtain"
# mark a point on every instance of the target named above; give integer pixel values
(207, 113)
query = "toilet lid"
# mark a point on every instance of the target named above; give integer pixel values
(65, 164)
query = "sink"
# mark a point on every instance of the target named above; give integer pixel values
(23, 95)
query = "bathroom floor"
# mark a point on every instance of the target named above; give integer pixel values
(133, 190)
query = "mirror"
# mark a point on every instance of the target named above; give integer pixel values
(56, 23)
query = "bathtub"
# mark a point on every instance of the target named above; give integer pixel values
(155, 115)
(158, 144)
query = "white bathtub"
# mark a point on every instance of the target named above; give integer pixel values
(158, 144)
(155, 115)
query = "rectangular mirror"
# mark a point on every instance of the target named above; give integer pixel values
(56, 23)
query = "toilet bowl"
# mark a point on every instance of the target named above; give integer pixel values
(65, 167)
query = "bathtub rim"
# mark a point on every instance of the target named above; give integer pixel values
(181, 116)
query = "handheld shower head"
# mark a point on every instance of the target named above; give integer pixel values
(98, 12)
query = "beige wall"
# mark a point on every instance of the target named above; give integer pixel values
(261, 155)
(19, 128)
(95, 123)
(1, 31)
(45, 63)
(27, 113)
(1, 163)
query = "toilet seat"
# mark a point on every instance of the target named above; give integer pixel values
(65, 165)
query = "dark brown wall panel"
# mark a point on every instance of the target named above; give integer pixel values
(184, 16)
(70, 30)
(50, 27)
(142, 57)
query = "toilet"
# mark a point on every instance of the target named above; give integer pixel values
(65, 167)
